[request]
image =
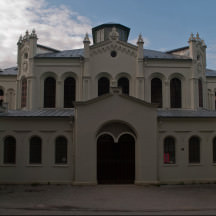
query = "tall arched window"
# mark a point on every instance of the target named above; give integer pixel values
(214, 150)
(169, 150)
(1, 96)
(35, 150)
(200, 93)
(123, 83)
(24, 93)
(10, 150)
(103, 86)
(61, 150)
(194, 150)
(49, 92)
(69, 92)
(175, 93)
(156, 91)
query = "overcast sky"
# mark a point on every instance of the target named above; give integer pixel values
(62, 24)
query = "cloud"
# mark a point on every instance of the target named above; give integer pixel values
(60, 28)
(146, 41)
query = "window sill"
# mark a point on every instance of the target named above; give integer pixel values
(194, 164)
(34, 165)
(170, 165)
(61, 165)
(8, 165)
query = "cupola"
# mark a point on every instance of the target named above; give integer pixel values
(102, 32)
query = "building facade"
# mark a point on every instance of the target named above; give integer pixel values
(111, 112)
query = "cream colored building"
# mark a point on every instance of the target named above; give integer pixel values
(110, 112)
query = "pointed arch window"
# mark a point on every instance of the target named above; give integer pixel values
(156, 91)
(194, 150)
(35, 150)
(49, 92)
(69, 92)
(1, 97)
(103, 86)
(10, 150)
(61, 150)
(123, 83)
(200, 93)
(175, 93)
(24, 93)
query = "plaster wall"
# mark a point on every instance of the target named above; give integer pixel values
(48, 130)
(182, 129)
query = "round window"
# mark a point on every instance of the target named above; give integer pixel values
(113, 54)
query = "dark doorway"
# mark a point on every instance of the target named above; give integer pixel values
(116, 161)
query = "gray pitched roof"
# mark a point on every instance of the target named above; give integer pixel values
(78, 53)
(9, 71)
(187, 113)
(153, 54)
(210, 73)
(39, 113)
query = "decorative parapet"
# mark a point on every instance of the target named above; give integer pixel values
(26, 37)
(197, 39)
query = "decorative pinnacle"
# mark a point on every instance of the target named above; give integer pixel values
(197, 36)
(33, 34)
(86, 39)
(192, 38)
(140, 39)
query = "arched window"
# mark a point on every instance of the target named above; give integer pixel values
(214, 150)
(69, 92)
(123, 83)
(156, 91)
(169, 150)
(200, 93)
(1, 97)
(61, 150)
(175, 93)
(49, 92)
(24, 93)
(194, 150)
(10, 150)
(103, 86)
(35, 150)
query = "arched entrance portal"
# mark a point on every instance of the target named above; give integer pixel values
(116, 160)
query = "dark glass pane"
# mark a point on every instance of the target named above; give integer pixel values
(200, 94)
(175, 93)
(124, 84)
(69, 92)
(194, 150)
(10, 150)
(169, 150)
(61, 150)
(214, 150)
(156, 91)
(35, 150)
(1, 97)
(24, 93)
(49, 92)
(103, 86)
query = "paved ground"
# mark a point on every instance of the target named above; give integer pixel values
(108, 200)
